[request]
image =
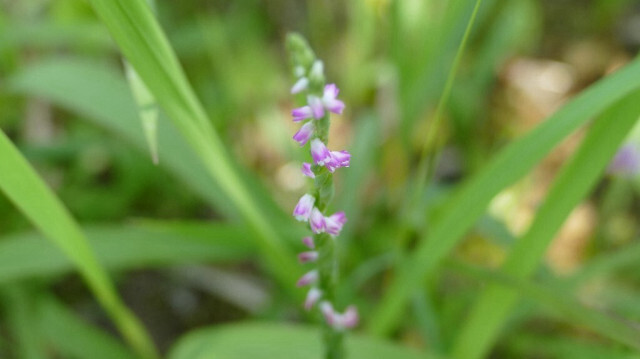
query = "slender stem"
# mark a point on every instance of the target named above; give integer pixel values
(428, 160)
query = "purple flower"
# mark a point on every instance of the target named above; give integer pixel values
(308, 241)
(306, 170)
(312, 297)
(300, 85)
(316, 221)
(320, 152)
(342, 158)
(304, 134)
(338, 159)
(626, 161)
(329, 99)
(301, 113)
(333, 224)
(310, 256)
(348, 319)
(316, 106)
(304, 207)
(308, 278)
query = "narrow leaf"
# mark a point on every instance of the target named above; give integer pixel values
(574, 182)
(507, 167)
(38, 203)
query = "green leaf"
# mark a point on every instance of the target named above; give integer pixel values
(277, 341)
(126, 247)
(561, 303)
(574, 182)
(469, 203)
(38, 203)
(147, 109)
(21, 321)
(146, 48)
(72, 337)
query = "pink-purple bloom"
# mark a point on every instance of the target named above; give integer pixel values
(308, 241)
(338, 159)
(348, 319)
(316, 105)
(304, 207)
(313, 296)
(626, 161)
(329, 99)
(304, 134)
(319, 152)
(301, 113)
(300, 85)
(306, 170)
(333, 224)
(310, 256)
(309, 278)
(316, 221)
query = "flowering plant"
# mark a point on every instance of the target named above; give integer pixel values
(320, 101)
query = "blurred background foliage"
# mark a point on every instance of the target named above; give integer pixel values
(181, 257)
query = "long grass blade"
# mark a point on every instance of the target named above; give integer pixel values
(127, 247)
(574, 182)
(507, 167)
(27, 191)
(145, 46)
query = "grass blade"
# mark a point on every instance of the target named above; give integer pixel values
(147, 109)
(560, 303)
(21, 321)
(507, 167)
(126, 247)
(574, 182)
(277, 341)
(145, 46)
(74, 338)
(29, 193)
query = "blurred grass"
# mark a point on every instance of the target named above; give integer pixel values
(219, 74)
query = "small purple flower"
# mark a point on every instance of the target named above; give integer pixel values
(342, 158)
(300, 85)
(316, 221)
(304, 134)
(304, 207)
(338, 159)
(308, 278)
(316, 106)
(320, 152)
(306, 170)
(330, 101)
(312, 297)
(626, 161)
(308, 241)
(333, 224)
(348, 319)
(301, 113)
(327, 311)
(306, 257)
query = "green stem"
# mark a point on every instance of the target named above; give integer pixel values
(428, 160)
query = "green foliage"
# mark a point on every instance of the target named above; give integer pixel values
(434, 262)
(22, 185)
(267, 340)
